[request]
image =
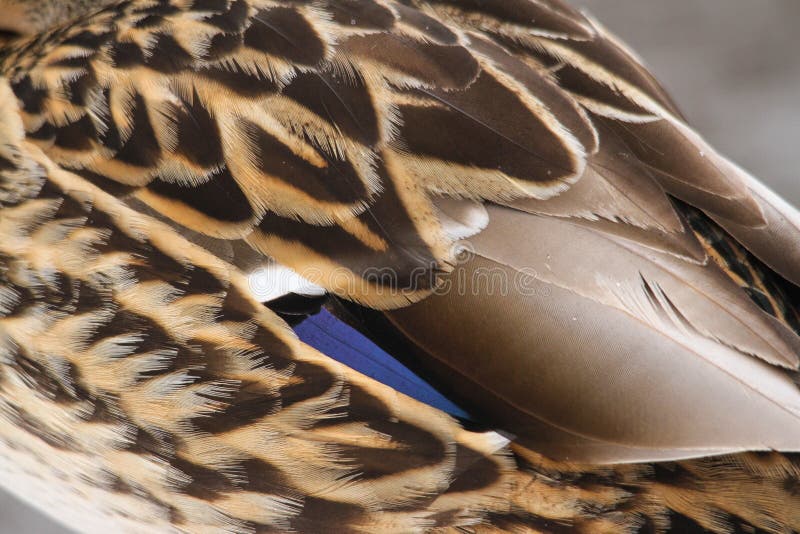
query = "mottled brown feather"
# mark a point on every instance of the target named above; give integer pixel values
(140, 384)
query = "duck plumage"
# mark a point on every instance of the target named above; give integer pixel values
(640, 376)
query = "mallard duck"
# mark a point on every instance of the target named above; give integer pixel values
(522, 294)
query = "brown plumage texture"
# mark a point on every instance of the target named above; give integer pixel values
(141, 386)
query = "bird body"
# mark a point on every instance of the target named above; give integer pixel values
(636, 372)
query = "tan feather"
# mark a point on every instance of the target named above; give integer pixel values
(153, 152)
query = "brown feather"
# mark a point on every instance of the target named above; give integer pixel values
(143, 144)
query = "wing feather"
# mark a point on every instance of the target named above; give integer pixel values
(137, 369)
(323, 134)
(242, 120)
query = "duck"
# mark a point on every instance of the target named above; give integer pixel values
(381, 266)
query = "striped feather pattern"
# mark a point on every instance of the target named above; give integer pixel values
(143, 144)
(292, 125)
(138, 373)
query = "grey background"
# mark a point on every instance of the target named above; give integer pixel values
(733, 66)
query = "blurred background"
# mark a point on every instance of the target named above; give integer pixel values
(733, 66)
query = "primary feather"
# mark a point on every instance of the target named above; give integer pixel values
(154, 152)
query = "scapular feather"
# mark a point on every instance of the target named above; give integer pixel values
(551, 305)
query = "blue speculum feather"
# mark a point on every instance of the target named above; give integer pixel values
(347, 345)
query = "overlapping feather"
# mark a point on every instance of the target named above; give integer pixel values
(355, 141)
